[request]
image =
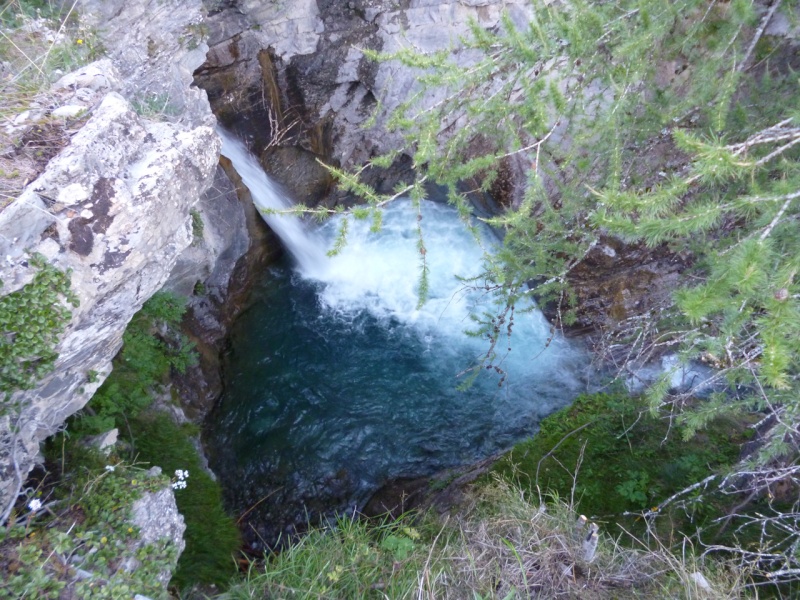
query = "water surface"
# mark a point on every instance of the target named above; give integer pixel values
(335, 382)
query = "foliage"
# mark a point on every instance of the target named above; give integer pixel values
(32, 320)
(73, 541)
(152, 346)
(647, 120)
(33, 60)
(502, 546)
(580, 94)
(212, 539)
(155, 106)
(610, 456)
(39, 42)
(197, 226)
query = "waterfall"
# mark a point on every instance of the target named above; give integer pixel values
(306, 248)
(337, 381)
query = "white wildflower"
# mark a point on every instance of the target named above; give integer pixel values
(35, 504)
(110, 468)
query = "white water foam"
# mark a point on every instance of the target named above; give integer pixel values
(379, 272)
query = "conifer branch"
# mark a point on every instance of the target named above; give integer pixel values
(759, 32)
(776, 220)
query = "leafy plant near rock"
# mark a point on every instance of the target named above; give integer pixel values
(32, 320)
(78, 540)
(608, 456)
(152, 346)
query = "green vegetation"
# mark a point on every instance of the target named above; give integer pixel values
(212, 539)
(152, 348)
(155, 106)
(651, 122)
(197, 226)
(74, 538)
(31, 59)
(32, 320)
(501, 546)
(608, 456)
(40, 40)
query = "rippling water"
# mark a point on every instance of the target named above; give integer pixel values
(336, 383)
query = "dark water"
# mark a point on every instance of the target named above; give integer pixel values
(336, 383)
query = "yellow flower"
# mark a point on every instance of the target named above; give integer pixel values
(79, 41)
(103, 539)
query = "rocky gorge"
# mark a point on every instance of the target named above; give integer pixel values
(135, 198)
(114, 206)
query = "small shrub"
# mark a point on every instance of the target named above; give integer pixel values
(83, 527)
(614, 457)
(32, 320)
(197, 226)
(154, 106)
(152, 346)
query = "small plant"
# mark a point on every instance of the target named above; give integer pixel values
(197, 226)
(608, 454)
(32, 320)
(152, 346)
(75, 547)
(154, 106)
(194, 35)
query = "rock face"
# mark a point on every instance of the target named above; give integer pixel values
(156, 517)
(300, 64)
(113, 206)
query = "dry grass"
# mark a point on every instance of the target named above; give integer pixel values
(500, 547)
(511, 548)
(39, 42)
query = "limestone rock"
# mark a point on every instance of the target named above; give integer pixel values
(156, 516)
(113, 206)
(311, 52)
(105, 441)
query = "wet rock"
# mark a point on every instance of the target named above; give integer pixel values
(325, 83)
(299, 171)
(619, 280)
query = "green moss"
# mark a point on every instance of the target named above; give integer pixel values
(614, 457)
(212, 539)
(152, 348)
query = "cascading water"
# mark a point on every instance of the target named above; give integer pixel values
(270, 199)
(337, 382)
